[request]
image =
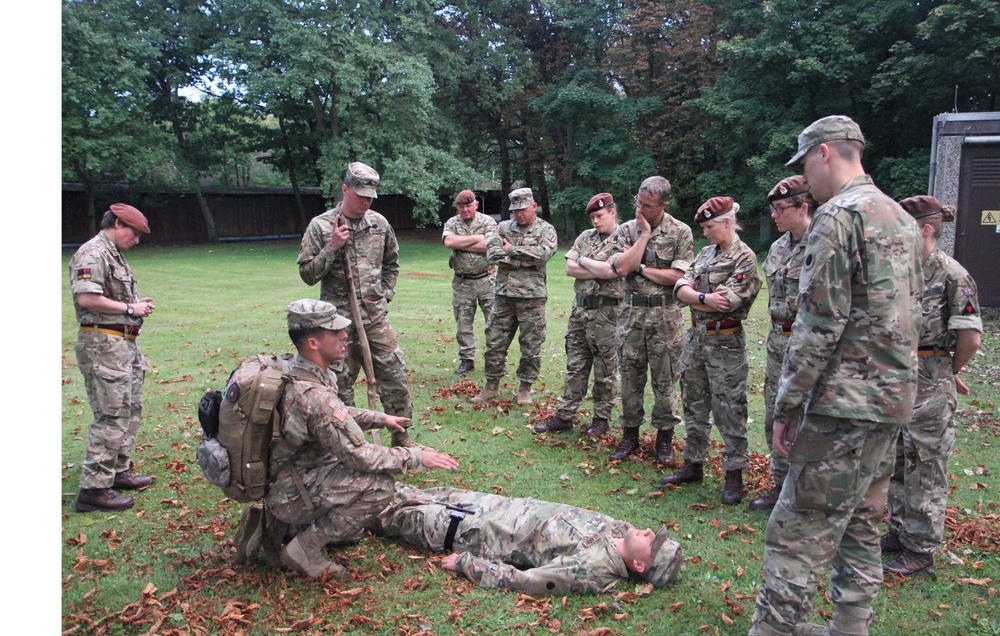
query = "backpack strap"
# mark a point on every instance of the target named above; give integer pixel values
(276, 435)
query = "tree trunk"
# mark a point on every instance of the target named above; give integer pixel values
(299, 207)
(504, 173)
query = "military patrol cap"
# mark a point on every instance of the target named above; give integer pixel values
(521, 199)
(363, 179)
(599, 202)
(832, 128)
(921, 206)
(716, 207)
(665, 557)
(130, 217)
(313, 314)
(788, 188)
(465, 197)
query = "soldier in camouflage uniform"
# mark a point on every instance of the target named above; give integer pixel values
(791, 208)
(520, 247)
(720, 286)
(949, 337)
(592, 332)
(352, 230)
(110, 314)
(325, 477)
(650, 253)
(465, 235)
(847, 386)
(533, 546)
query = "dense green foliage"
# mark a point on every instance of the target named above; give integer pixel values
(567, 97)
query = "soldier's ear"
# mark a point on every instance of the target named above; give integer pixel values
(639, 566)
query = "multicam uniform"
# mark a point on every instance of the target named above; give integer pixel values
(374, 255)
(520, 296)
(322, 442)
(107, 352)
(918, 492)
(782, 268)
(519, 544)
(652, 332)
(851, 365)
(714, 364)
(474, 280)
(592, 333)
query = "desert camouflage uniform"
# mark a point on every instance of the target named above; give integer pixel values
(592, 333)
(473, 283)
(918, 492)
(112, 366)
(782, 268)
(714, 365)
(520, 296)
(652, 331)
(851, 366)
(520, 544)
(348, 481)
(374, 255)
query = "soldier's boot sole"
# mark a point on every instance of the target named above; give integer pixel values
(249, 534)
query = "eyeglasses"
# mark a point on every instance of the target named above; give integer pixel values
(645, 206)
(779, 209)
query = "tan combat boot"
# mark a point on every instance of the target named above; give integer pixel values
(249, 534)
(524, 394)
(403, 439)
(490, 391)
(306, 554)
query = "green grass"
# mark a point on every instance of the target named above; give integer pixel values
(219, 304)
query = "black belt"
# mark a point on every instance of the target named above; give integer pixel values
(473, 276)
(594, 302)
(456, 514)
(639, 300)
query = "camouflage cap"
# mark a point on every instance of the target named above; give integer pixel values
(465, 197)
(312, 314)
(363, 179)
(599, 202)
(716, 207)
(521, 199)
(665, 557)
(823, 130)
(130, 217)
(788, 188)
(921, 206)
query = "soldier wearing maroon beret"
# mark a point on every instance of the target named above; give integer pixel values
(110, 313)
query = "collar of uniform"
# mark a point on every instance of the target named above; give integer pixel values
(110, 245)
(303, 369)
(363, 223)
(859, 180)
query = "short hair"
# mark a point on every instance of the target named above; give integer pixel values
(299, 336)
(848, 149)
(108, 220)
(656, 186)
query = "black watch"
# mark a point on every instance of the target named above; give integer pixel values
(701, 298)
(129, 311)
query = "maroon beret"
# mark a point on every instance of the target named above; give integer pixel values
(712, 208)
(464, 197)
(788, 188)
(921, 206)
(130, 217)
(599, 202)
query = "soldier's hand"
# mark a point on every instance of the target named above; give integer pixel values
(450, 562)
(396, 423)
(642, 223)
(961, 387)
(435, 459)
(719, 301)
(340, 234)
(783, 435)
(143, 308)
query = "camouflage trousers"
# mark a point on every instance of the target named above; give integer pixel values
(651, 339)
(777, 344)
(526, 316)
(918, 492)
(466, 294)
(828, 512)
(714, 387)
(391, 380)
(591, 343)
(345, 501)
(113, 371)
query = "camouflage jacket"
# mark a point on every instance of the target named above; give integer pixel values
(99, 268)
(463, 261)
(374, 255)
(733, 270)
(591, 244)
(852, 353)
(521, 272)
(670, 246)
(319, 435)
(782, 268)
(950, 302)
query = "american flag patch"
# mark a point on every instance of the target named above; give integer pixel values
(83, 274)
(340, 412)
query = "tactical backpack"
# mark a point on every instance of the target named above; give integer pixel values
(239, 424)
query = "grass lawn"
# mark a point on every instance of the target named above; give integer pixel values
(166, 566)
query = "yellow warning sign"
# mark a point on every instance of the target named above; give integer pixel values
(990, 217)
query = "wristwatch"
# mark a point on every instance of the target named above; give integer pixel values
(579, 260)
(128, 310)
(701, 298)
(642, 268)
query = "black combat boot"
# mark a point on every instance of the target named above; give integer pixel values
(732, 493)
(465, 366)
(104, 499)
(597, 427)
(665, 447)
(688, 473)
(910, 563)
(127, 481)
(553, 425)
(628, 445)
(767, 501)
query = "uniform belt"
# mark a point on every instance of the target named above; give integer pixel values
(639, 300)
(720, 328)
(122, 331)
(932, 351)
(473, 276)
(786, 327)
(456, 514)
(594, 302)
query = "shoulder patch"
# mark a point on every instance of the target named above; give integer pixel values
(809, 260)
(83, 274)
(965, 292)
(969, 309)
(340, 412)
